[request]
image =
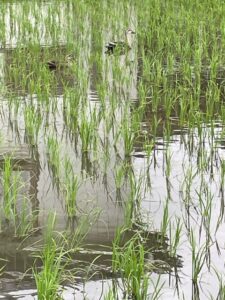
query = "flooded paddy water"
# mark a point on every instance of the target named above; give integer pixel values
(112, 164)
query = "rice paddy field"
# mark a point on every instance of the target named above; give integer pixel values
(112, 163)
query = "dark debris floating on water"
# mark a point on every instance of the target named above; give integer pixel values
(121, 46)
(54, 64)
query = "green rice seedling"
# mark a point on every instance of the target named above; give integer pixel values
(32, 124)
(95, 118)
(142, 92)
(189, 176)
(71, 109)
(54, 158)
(119, 181)
(149, 150)
(148, 147)
(24, 221)
(154, 126)
(11, 186)
(198, 259)
(222, 181)
(78, 230)
(53, 259)
(128, 138)
(129, 261)
(86, 130)
(49, 278)
(6, 180)
(110, 295)
(106, 156)
(212, 98)
(168, 172)
(71, 190)
(169, 101)
(205, 203)
(183, 105)
(175, 240)
(119, 176)
(167, 131)
(133, 204)
(165, 220)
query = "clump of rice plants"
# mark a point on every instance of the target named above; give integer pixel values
(129, 261)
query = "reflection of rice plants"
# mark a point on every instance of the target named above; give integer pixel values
(32, 123)
(71, 189)
(128, 138)
(15, 214)
(132, 211)
(54, 159)
(71, 186)
(11, 186)
(175, 240)
(170, 82)
(87, 130)
(24, 220)
(165, 220)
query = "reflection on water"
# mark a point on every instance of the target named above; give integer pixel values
(175, 166)
(34, 154)
(14, 34)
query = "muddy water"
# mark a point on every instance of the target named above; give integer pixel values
(174, 189)
(97, 195)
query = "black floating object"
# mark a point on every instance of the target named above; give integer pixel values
(55, 64)
(121, 46)
(52, 65)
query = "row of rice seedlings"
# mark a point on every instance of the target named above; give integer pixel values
(56, 256)
(205, 199)
(71, 189)
(160, 82)
(189, 176)
(168, 107)
(63, 175)
(120, 173)
(198, 261)
(71, 111)
(10, 189)
(25, 220)
(129, 261)
(54, 159)
(188, 89)
(49, 278)
(88, 134)
(32, 124)
(21, 219)
(30, 21)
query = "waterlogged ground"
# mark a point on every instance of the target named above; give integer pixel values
(104, 142)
